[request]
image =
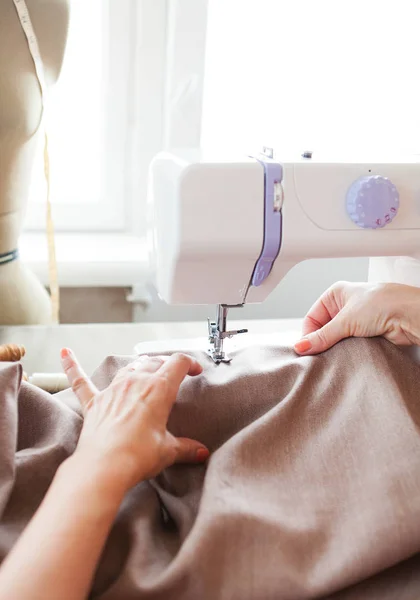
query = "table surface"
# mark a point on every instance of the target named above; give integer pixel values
(92, 343)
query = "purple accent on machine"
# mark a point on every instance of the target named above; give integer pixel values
(372, 202)
(273, 174)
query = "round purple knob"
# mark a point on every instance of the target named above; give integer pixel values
(372, 201)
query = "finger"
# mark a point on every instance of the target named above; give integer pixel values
(169, 377)
(79, 381)
(317, 317)
(142, 364)
(324, 338)
(173, 372)
(321, 312)
(190, 451)
(178, 365)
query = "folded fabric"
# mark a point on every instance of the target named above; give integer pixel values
(312, 489)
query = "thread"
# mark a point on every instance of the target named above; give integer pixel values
(50, 382)
(11, 352)
(52, 260)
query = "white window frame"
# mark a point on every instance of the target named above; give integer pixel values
(164, 110)
(156, 54)
(106, 214)
(170, 112)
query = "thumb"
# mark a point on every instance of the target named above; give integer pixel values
(190, 451)
(322, 339)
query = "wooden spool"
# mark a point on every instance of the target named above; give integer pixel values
(12, 353)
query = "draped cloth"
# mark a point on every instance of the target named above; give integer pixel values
(312, 489)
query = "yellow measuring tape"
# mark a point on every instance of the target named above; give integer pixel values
(25, 20)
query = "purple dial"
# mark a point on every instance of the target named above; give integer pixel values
(372, 201)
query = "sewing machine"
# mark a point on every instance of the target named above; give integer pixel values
(226, 232)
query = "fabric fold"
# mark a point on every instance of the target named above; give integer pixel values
(312, 489)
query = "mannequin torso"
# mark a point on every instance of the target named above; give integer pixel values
(22, 298)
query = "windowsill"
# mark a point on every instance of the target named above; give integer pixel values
(88, 259)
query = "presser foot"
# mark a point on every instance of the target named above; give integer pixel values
(218, 333)
(217, 360)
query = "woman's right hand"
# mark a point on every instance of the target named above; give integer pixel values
(362, 310)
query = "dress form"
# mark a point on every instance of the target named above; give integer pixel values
(23, 300)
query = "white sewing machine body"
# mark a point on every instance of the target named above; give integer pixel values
(226, 232)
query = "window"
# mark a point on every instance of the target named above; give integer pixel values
(109, 96)
(131, 85)
(326, 76)
(301, 75)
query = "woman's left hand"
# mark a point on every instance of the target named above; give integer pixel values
(124, 436)
(124, 440)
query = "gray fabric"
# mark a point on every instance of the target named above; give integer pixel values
(312, 490)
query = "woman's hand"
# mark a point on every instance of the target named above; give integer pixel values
(124, 440)
(124, 436)
(362, 310)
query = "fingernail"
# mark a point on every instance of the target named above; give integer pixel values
(303, 346)
(202, 454)
(65, 353)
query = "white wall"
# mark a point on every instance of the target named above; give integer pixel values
(292, 298)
